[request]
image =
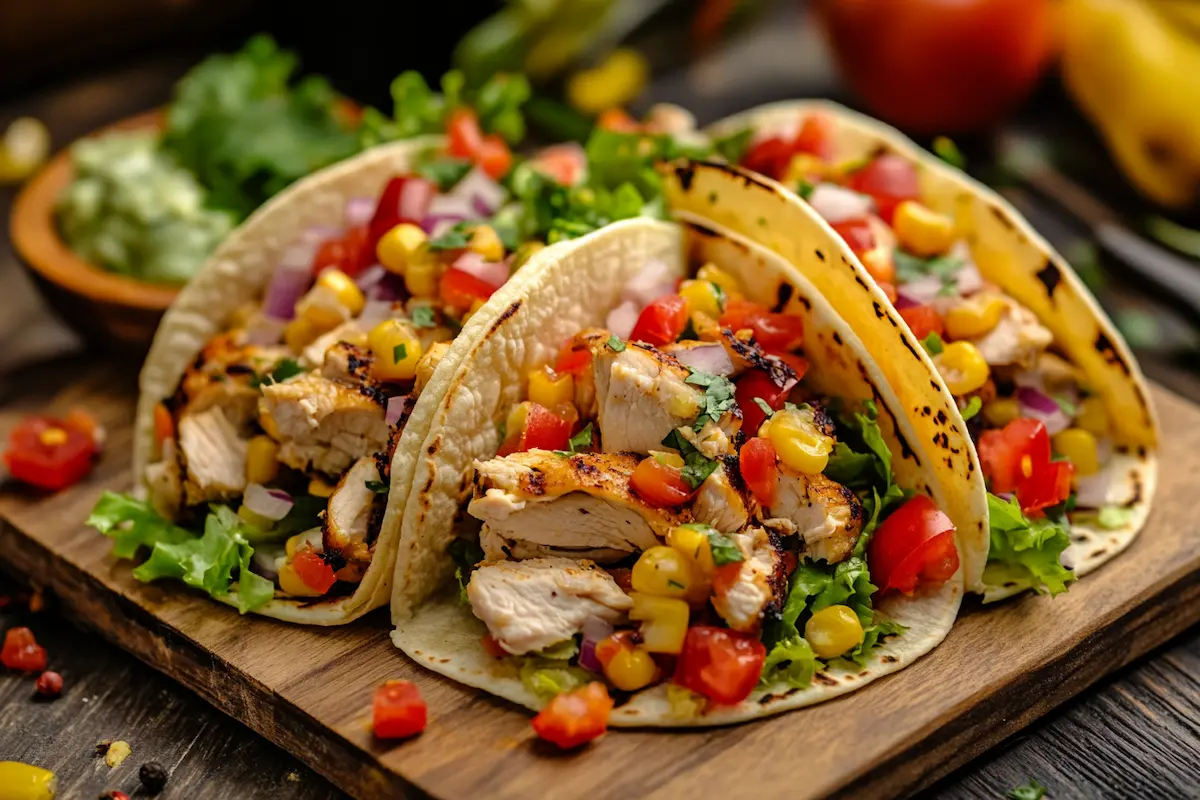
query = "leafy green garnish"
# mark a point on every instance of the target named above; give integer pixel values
(581, 440)
(1068, 407)
(465, 553)
(724, 550)
(933, 344)
(547, 678)
(1025, 552)
(1114, 517)
(399, 353)
(766, 409)
(910, 268)
(973, 407)
(733, 146)
(948, 151)
(445, 171)
(791, 661)
(805, 189)
(132, 524)
(1028, 791)
(378, 487)
(696, 466)
(423, 317)
(287, 368)
(718, 396)
(615, 343)
(871, 636)
(456, 238)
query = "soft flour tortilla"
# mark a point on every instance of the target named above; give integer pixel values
(577, 290)
(1010, 254)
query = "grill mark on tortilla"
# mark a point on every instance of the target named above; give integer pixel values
(428, 484)
(1001, 217)
(508, 312)
(858, 279)
(702, 229)
(824, 679)
(837, 337)
(804, 301)
(888, 659)
(1104, 347)
(686, 173)
(782, 295)
(434, 447)
(906, 342)
(819, 254)
(1050, 278)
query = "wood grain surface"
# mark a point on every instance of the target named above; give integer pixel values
(309, 690)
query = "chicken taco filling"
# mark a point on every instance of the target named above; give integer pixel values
(673, 504)
(1042, 432)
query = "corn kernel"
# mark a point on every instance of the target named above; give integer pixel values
(691, 540)
(514, 423)
(1079, 447)
(396, 349)
(476, 304)
(428, 363)
(668, 458)
(267, 422)
(702, 297)
(319, 488)
(962, 368)
(662, 571)
(299, 334)
(833, 631)
(421, 277)
(630, 669)
(486, 242)
(549, 389)
(262, 460)
(974, 317)
(399, 247)
(343, 289)
(804, 167)
(290, 582)
(1001, 411)
(800, 445)
(1092, 416)
(922, 231)
(664, 621)
(714, 274)
(294, 543)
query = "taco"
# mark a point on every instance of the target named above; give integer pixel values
(1055, 403)
(657, 476)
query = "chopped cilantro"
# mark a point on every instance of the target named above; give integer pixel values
(973, 406)
(696, 466)
(456, 238)
(933, 344)
(718, 396)
(445, 171)
(733, 147)
(423, 317)
(910, 268)
(378, 487)
(724, 550)
(675, 584)
(399, 353)
(287, 368)
(615, 343)
(805, 189)
(766, 409)
(581, 439)
(1027, 791)
(948, 151)
(1068, 407)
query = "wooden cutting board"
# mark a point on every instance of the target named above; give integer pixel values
(309, 690)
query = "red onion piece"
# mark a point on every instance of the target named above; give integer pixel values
(272, 504)
(710, 358)
(493, 273)
(373, 313)
(1038, 405)
(587, 657)
(415, 197)
(484, 194)
(838, 204)
(969, 280)
(595, 630)
(370, 276)
(265, 330)
(397, 407)
(390, 288)
(437, 224)
(654, 280)
(922, 291)
(314, 235)
(288, 284)
(359, 211)
(622, 319)
(903, 301)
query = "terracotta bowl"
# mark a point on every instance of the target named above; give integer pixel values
(111, 311)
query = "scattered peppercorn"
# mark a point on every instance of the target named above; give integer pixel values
(49, 684)
(153, 776)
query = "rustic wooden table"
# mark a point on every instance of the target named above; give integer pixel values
(1137, 734)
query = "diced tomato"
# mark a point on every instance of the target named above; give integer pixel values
(857, 233)
(881, 266)
(798, 364)
(1048, 487)
(756, 462)
(915, 544)
(49, 454)
(610, 646)
(790, 561)
(542, 429)
(313, 570)
(164, 426)
(349, 253)
(459, 289)
(720, 664)
(330, 253)
(889, 179)
(923, 320)
(661, 321)
(574, 358)
(464, 133)
(492, 647)
(772, 330)
(769, 157)
(1012, 454)
(494, 157)
(575, 718)
(816, 136)
(564, 163)
(21, 651)
(398, 711)
(659, 485)
(617, 120)
(757, 384)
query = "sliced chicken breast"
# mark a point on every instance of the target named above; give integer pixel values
(350, 332)
(1017, 340)
(533, 604)
(222, 375)
(323, 425)
(719, 503)
(642, 396)
(760, 582)
(539, 503)
(214, 457)
(351, 510)
(823, 512)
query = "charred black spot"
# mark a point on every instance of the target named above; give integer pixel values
(888, 659)
(433, 448)
(804, 301)
(879, 312)
(858, 279)
(686, 173)
(428, 484)
(782, 295)
(837, 337)
(1050, 278)
(240, 369)
(1104, 347)
(535, 482)
(702, 229)
(941, 440)
(1100, 552)
(820, 255)
(927, 411)
(508, 312)
(334, 559)
(1001, 217)
(941, 417)
(1141, 451)
(733, 472)
(824, 680)
(935, 386)
(912, 350)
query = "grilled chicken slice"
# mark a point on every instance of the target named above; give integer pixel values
(533, 604)
(428, 364)
(823, 512)
(642, 396)
(351, 511)
(718, 503)
(165, 482)
(538, 503)
(314, 355)
(349, 364)
(761, 581)
(214, 457)
(715, 439)
(1017, 340)
(221, 376)
(323, 425)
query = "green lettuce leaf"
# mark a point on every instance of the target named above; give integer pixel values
(132, 524)
(547, 678)
(1024, 551)
(871, 636)
(791, 661)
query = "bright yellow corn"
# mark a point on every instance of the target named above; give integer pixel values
(662, 571)
(714, 274)
(668, 458)
(262, 460)
(399, 247)
(396, 349)
(804, 167)
(664, 621)
(630, 669)
(476, 304)
(268, 425)
(703, 297)
(1092, 416)
(615, 82)
(319, 488)
(299, 334)
(974, 317)
(1001, 411)
(428, 364)
(290, 582)
(921, 231)
(549, 389)
(833, 631)
(486, 242)
(691, 540)
(1079, 447)
(343, 289)
(962, 367)
(798, 443)
(26, 782)
(421, 277)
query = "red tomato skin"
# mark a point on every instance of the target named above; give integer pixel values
(398, 711)
(720, 664)
(464, 133)
(897, 550)
(387, 210)
(562, 162)
(494, 157)
(890, 180)
(923, 320)
(756, 461)
(459, 289)
(772, 330)
(940, 66)
(575, 718)
(313, 570)
(769, 157)
(1002, 451)
(661, 321)
(756, 383)
(798, 364)
(48, 466)
(857, 233)
(545, 430)
(816, 136)
(575, 360)
(659, 485)
(1049, 485)
(21, 652)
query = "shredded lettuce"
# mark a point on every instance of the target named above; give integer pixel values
(132, 524)
(1025, 551)
(1113, 517)
(791, 661)
(465, 553)
(549, 677)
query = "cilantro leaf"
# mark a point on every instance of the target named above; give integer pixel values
(910, 268)
(399, 353)
(973, 407)
(933, 344)
(615, 343)
(582, 439)
(423, 317)
(696, 466)
(733, 146)
(766, 409)
(718, 396)
(378, 487)
(287, 368)
(948, 151)
(456, 238)
(724, 550)
(445, 171)
(1025, 552)
(1027, 791)
(805, 189)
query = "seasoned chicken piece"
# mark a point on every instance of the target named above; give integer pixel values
(825, 514)
(715, 439)
(1018, 339)
(321, 424)
(214, 457)
(349, 364)
(760, 581)
(533, 604)
(718, 503)
(351, 511)
(221, 376)
(538, 503)
(427, 364)
(592, 341)
(314, 355)
(642, 396)
(165, 481)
